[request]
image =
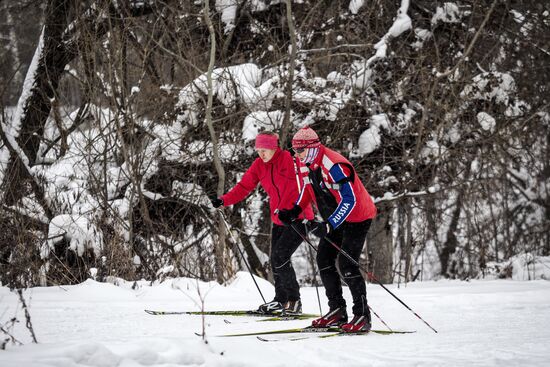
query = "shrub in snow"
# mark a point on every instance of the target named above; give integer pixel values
(78, 231)
(525, 266)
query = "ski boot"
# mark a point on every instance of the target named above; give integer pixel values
(271, 308)
(335, 317)
(359, 324)
(293, 307)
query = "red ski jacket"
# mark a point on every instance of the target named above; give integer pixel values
(279, 180)
(353, 202)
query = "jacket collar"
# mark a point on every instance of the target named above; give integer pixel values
(276, 156)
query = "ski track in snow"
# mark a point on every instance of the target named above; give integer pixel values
(480, 323)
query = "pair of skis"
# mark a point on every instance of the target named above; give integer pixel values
(326, 332)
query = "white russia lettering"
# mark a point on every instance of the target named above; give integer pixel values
(343, 210)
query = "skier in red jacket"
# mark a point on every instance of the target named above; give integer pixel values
(347, 208)
(275, 170)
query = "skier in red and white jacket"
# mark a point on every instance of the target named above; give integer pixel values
(347, 208)
(275, 171)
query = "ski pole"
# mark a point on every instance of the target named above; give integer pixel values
(314, 271)
(371, 276)
(316, 285)
(354, 262)
(379, 318)
(299, 184)
(222, 216)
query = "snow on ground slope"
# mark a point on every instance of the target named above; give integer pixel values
(480, 323)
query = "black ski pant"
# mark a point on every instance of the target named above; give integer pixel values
(350, 237)
(284, 242)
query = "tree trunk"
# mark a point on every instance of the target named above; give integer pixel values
(449, 247)
(219, 246)
(409, 243)
(379, 247)
(14, 48)
(285, 128)
(35, 102)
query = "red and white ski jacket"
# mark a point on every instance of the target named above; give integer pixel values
(354, 203)
(278, 178)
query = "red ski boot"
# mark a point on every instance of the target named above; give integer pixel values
(335, 317)
(359, 324)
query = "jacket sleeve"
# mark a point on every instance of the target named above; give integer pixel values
(304, 197)
(248, 182)
(287, 182)
(340, 173)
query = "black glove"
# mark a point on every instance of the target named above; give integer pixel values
(322, 230)
(216, 201)
(287, 216)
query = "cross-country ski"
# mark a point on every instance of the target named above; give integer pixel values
(252, 313)
(313, 330)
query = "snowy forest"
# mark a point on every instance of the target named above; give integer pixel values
(120, 118)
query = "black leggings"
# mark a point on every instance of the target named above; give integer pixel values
(350, 237)
(284, 241)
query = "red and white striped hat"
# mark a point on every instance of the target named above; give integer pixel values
(306, 137)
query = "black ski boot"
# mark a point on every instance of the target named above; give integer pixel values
(271, 308)
(293, 308)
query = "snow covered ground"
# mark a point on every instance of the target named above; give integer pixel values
(480, 323)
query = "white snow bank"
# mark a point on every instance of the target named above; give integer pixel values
(144, 352)
(528, 267)
(520, 267)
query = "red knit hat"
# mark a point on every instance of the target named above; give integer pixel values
(267, 141)
(306, 137)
